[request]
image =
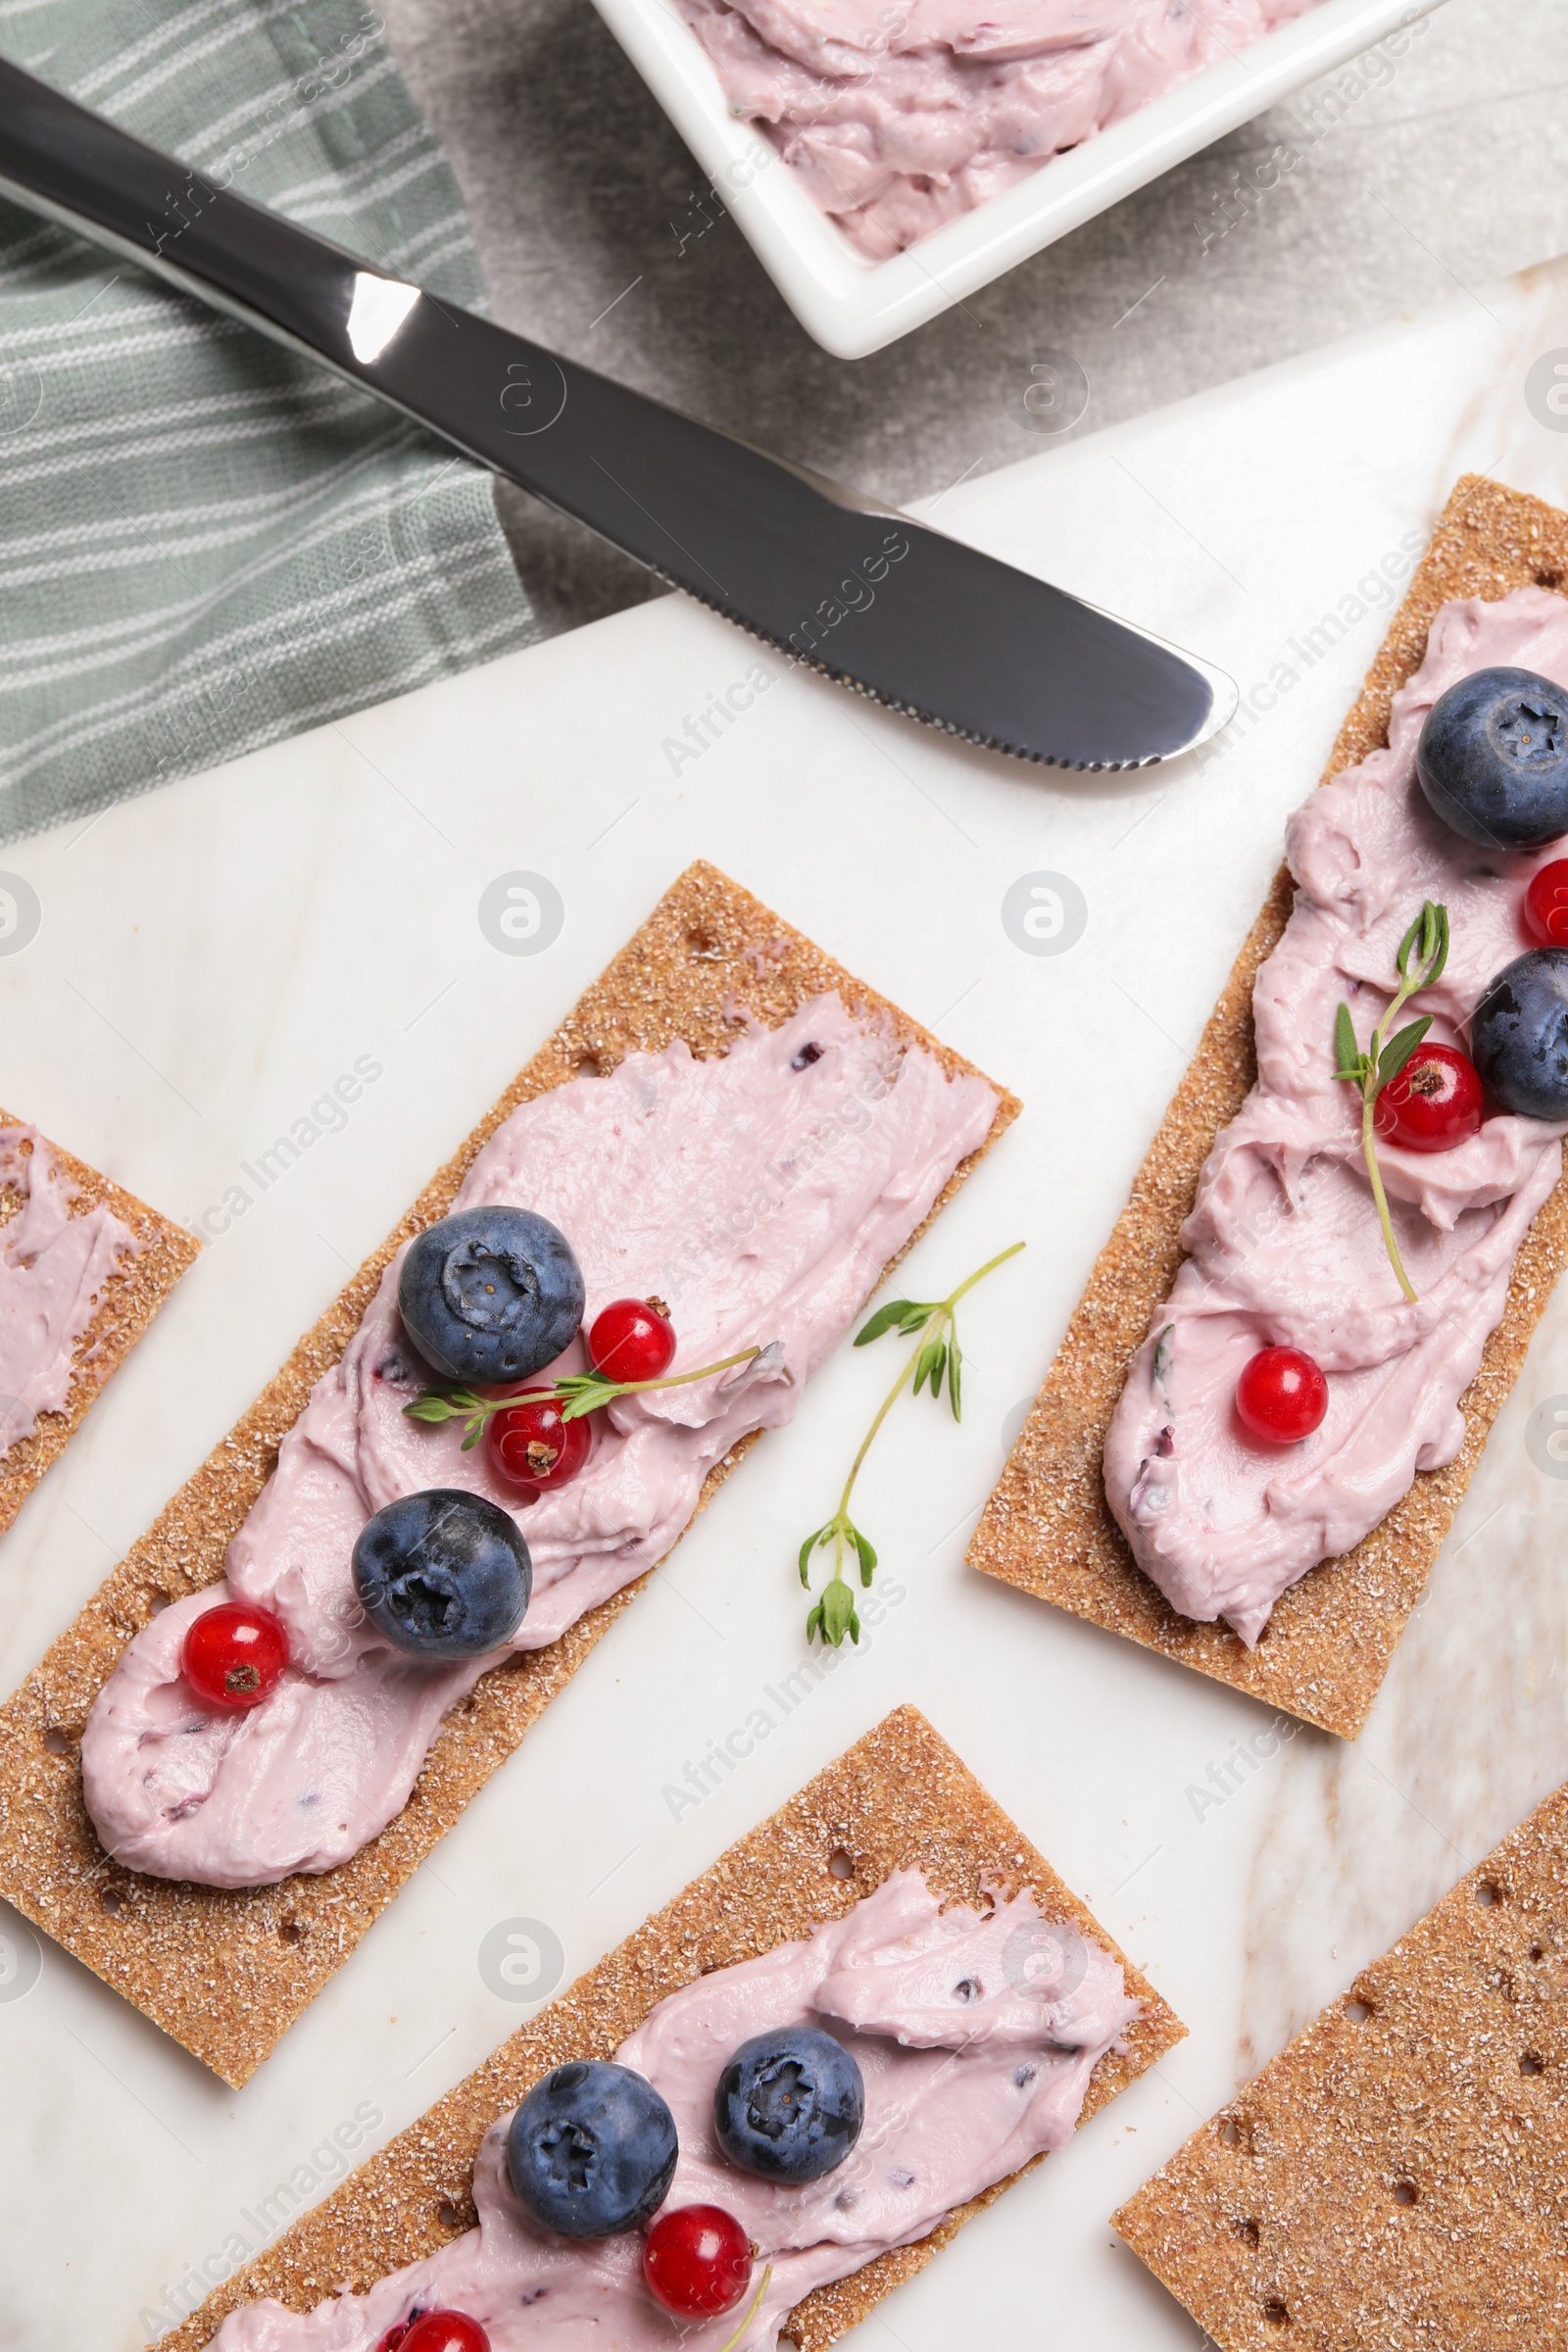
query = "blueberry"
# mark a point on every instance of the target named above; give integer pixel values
(1519, 1035)
(443, 1574)
(591, 2150)
(789, 2106)
(1492, 758)
(491, 1293)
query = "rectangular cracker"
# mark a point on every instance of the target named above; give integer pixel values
(1047, 1527)
(128, 1303)
(1395, 2177)
(227, 1973)
(900, 1798)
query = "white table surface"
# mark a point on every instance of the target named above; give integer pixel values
(211, 956)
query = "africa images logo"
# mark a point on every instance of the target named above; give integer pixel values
(1547, 1436)
(1045, 913)
(522, 1960)
(521, 913)
(20, 1955)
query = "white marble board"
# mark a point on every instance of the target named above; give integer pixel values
(214, 955)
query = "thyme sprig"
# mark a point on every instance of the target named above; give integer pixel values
(1423, 952)
(752, 2308)
(938, 1361)
(576, 1394)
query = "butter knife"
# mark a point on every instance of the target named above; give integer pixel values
(871, 597)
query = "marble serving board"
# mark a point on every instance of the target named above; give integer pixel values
(215, 957)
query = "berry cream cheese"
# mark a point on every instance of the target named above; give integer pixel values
(898, 115)
(53, 1269)
(972, 2065)
(761, 1193)
(1283, 1245)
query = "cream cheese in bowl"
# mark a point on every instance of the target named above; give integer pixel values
(896, 115)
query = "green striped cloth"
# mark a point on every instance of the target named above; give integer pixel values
(206, 542)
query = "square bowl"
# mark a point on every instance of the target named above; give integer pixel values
(853, 306)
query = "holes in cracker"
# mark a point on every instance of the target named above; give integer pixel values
(1406, 2192)
(1275, 2312)
(1531, 2064)
(1487, 1892)
(1357, 2012)
(1237, 2133)
(451, 2215)
(158, 1600)
(1537, 1951)
(291, 1929)
(589, 1066)
(1249, 2234)
(59, 1741)
(702, 946)
(841, 1863)
(109, 1901)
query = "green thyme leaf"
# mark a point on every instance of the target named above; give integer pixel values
(903, 1314)
(955, 1375)
(1407, 945)
(584, 1393)
(866, 1551)
(820, 1535)
(1162, 1353)
(1441, 953)
(836, 1614)
(1425, 946)
(1399, 1049)
(432, 1407)
(1347, 1051)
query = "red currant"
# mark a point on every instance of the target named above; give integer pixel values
(1282, 1395)
(436, 2331)
(1435, 1101)
(531, 1445)
(696, 2261)
(632, 1339)
(1546, 904)
(234, 1656)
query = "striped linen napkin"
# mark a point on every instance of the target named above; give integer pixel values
(205, 542)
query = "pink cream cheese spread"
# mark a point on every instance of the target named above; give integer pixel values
(898, 115)
(1284, 1246)
(759, 1194)
(972, 2066)
(53, 1271)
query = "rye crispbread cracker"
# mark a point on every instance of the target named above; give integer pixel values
(1047, 1527)
(226, 1972)
(1395, 2178)
(127, 1304)
(900, 1798)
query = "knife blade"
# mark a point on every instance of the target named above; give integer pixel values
(869, 597)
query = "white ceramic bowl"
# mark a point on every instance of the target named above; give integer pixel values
(853, 306)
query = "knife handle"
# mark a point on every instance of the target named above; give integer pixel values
(201, 235)
(493, 393)
(87, 174)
